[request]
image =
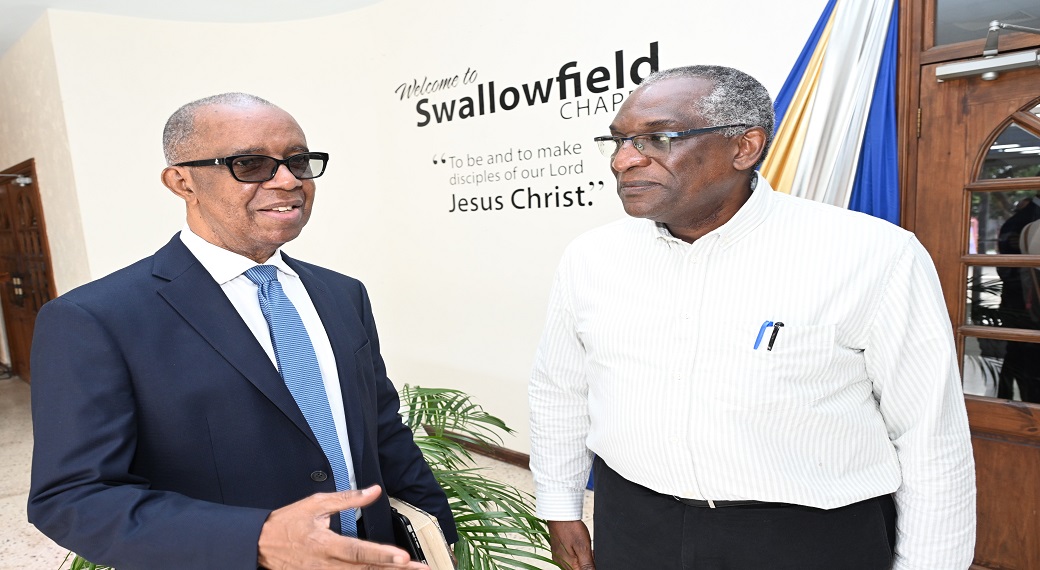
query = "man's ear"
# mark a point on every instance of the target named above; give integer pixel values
(179, 181)
(750, 146)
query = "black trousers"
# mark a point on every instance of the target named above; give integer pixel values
(636, 528)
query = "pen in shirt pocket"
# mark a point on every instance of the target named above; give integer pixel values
(772, 337)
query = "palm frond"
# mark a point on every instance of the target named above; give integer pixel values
(80, 563)
(441, 411)
(443, 452)
(496, 523)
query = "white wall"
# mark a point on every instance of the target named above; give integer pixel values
(459, 297)
(32, 125)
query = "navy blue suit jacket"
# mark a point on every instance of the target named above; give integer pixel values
(164, 436)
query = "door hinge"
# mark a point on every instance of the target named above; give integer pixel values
(918, 122)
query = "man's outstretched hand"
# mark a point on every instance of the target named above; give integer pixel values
(298, 536)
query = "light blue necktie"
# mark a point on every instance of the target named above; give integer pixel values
(299, 368)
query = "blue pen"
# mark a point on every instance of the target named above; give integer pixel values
(762, 332)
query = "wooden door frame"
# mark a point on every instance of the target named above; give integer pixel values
(916, 36)
(997, 425)
(911, 16)
(917, 49)
(28, 168)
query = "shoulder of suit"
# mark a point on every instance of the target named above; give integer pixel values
(323, 273)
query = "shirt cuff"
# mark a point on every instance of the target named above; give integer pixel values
(560, 505)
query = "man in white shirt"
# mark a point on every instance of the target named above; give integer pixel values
(765, 381)
(219, 404)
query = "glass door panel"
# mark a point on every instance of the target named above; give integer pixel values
(1000, 328)
(966, 20)
(1015, 154)
(997, 219)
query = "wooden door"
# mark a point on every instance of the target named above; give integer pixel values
(26, 280)
(977, 175)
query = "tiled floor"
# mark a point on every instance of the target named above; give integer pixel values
(22, 547)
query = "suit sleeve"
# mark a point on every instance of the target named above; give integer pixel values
(405, 472)
(83, 493)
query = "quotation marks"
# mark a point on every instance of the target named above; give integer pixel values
(441, 161)
(593, 185)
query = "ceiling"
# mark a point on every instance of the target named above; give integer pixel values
(16, 16)
(964, 19)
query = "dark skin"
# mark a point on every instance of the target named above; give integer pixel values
(571, 545)
(252, 219)
(705, 178)
(698, 187)
(298, 536)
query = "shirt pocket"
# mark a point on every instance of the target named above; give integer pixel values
(795, 373)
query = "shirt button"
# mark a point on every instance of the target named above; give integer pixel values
(319, 476)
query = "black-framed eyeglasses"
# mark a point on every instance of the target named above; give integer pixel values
(261, 168)
(651, 145)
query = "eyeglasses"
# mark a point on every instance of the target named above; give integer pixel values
(261, 168)
(651, 145)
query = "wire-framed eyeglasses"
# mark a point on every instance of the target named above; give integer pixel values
(261, 168)
(651, 145)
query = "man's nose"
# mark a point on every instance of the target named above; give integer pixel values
(627, 156)
(284, 179)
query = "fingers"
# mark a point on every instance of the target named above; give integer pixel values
(330, 503)
(571, 545)
(298, 536)
(371, 553)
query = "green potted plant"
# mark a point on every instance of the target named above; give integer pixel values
(497, 526)
(79, 563)
(496, 522)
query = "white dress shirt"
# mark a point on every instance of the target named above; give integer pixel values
(228, 269)
(648, 360)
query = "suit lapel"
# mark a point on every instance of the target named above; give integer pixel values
(193, 293)
(344, 341)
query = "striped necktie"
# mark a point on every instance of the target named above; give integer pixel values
(298, 366)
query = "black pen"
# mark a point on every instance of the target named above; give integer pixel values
(772, 337)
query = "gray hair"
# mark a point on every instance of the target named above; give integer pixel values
(737, 99)
(179, 133)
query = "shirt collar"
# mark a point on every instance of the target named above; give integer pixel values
(747, 218)
(225, 265)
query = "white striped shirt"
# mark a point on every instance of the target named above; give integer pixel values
(648, 360)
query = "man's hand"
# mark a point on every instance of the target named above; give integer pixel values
(571, 545)
(298, 536)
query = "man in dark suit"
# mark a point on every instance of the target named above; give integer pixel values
(165, 435)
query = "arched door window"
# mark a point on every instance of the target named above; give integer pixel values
(1001, 330)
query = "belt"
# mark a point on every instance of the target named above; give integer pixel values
(723, 504)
